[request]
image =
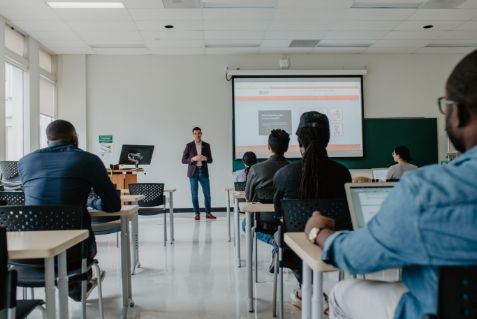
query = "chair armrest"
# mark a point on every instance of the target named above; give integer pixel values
(11, 289)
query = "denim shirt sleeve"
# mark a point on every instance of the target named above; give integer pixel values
(108, 200)
(391, 239)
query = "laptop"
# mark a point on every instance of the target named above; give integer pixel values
(365, 199)
(379, 174)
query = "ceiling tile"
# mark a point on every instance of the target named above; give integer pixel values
(179, 24)
(237, 13)
(174, 35)
(123, 51)
(148, 14)
(101, 26)
(175, 44)
(439, 25)
(93, 14)
(459, 35)
(468, 26)
(409, 43)
(232, 51)
(445, 50)
(235, 24)
(361, 35)
(390, 50)
(376, 14)
(143, 4)
(175, 51)
(40, 25)
(419, 34)
(275, 43)
(22, 14)
(363, 25)
(295, 35)
(469, 4)
(307, 4)
(338, 50)
(233, 35)
(111, 37)
(444, 14)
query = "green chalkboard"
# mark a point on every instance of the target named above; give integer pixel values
(382, 135)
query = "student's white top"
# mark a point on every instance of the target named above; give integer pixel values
(397, 171)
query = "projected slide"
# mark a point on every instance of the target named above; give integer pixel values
(263, 104)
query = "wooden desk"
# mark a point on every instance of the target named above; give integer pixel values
(46, 245)
(127, 212)
(249, 208)
(123, 177)
(311, 256)
(133, 200)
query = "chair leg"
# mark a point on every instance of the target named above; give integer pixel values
(165, 229)
(275, 284)
(256, 257)
(25, 291)
(32, 291)
(117, 240)
(100, 290)
(341, 275)
(280, 252)
(84, 287)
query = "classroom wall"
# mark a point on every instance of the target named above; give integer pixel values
(149, 99)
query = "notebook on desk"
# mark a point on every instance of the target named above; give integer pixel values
(365, 199)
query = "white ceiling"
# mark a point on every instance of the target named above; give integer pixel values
(140, 28)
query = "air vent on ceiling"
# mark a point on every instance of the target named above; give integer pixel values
(303, 43)
(231, 45)
(451, 45)
(385, 5)
(117, 46)
(181, 4)
(344, 45)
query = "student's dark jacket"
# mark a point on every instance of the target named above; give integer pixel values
(190, 151)
(63, 174)
(261, 175)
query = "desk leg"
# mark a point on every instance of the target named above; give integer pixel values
(63, 285)
(125, 262)
(228, 216)
(306, 293)
(317, 301)
(237, 231)
(171, 215)
(249, 260)
(50, 288)
(135, 245)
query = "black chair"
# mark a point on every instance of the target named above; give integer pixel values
(104, 225)
(8, 287)
(154, 202)
(457, 294)
(10, 178)
(31, 218)
(240, 186)
(295, 215)
(12, 198)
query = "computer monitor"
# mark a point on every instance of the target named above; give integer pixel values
(136, 155)
(365, 199)
(379, 174)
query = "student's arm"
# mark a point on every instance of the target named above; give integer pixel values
(250, 185)
(108, 200)
(391, 239)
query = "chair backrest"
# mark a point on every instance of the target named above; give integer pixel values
(296, 212)
(153, 193)
(240, 186)
(12, 198)
(30, 218)
(264, 195)
(3, 268)
(10, 177)
(457, 297)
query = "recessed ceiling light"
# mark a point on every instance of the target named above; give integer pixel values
(168, 26)
(86, 5)
(117, 46)
(429, 26)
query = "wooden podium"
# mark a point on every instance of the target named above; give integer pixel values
(123, 177)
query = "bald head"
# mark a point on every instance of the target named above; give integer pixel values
(61, 130)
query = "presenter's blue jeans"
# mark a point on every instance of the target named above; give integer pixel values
(194, 180)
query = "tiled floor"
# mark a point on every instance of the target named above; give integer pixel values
(194, 278)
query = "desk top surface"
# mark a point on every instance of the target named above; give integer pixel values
(239, 194)
(229, 189)
(42, 244)
(132, 198)
(125, 191)
(126, 210)
(125, 171)
(252, 207)
(309, 253)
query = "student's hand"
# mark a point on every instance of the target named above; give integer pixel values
(319, 221)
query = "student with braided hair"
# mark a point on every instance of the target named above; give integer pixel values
(314, 176)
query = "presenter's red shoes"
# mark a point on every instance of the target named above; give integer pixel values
(210, 216)
(197, 217)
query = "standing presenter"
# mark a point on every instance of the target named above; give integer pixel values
(197, 155)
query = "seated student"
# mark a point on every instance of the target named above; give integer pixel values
(402, 156)
(428, 220)
(248, 159)
(261, 174)
(315, 176)
(63, 174)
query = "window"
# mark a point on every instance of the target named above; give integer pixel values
(47, 107)
(15, 41)
(14, 87)
(46, 61)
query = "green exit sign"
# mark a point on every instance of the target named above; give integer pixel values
(105, 139)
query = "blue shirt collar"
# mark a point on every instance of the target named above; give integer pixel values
(469, 154)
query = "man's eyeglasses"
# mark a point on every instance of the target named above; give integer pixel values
(443, 103)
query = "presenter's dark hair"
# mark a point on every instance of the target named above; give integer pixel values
(60, 130)
(403, 153)
(249, 159)
(278, 141)
(462, 82)
(314, 140)
(196, 129)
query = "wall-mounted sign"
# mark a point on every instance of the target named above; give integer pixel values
(105, 144)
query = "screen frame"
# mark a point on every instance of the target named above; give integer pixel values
(125, 146)
(234, 155)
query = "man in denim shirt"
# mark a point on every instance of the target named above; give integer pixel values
(428, 220)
